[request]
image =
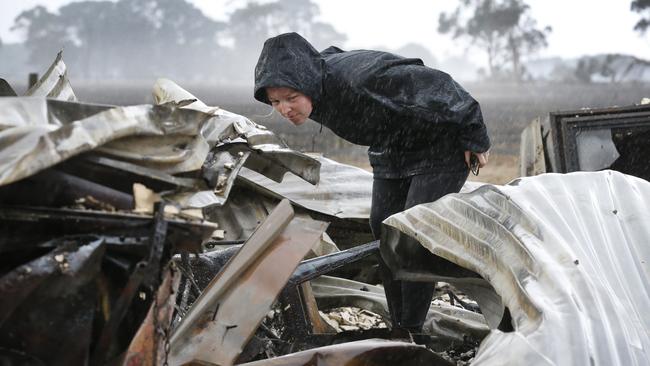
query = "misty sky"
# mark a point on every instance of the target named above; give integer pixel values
(580, 27)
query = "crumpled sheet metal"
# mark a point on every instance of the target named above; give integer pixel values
(54, 83)
(232, 306)
(52, 131)
(241, 139)
(370, 352)
(567, 254)
(241, 215)
(344, 191)
(226, 127)
(170, 153)
(36, 133)
(147, 348)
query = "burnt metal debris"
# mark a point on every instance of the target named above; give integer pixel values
(221, 321)
(85, 276)
(590, 139)
(179, 233)
(96, 200)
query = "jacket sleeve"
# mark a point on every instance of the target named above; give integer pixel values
(409, 88)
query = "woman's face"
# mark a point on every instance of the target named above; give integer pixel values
(290, 103)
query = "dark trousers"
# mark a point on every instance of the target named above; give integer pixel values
(408, 302)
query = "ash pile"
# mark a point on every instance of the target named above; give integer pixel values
(179, 233)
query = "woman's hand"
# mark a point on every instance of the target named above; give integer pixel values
(482, 158)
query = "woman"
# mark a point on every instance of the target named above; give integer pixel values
(422, 129)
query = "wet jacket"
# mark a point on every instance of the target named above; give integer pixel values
(414, 119)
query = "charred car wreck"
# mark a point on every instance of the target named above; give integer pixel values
(589, 139)
(179, 233)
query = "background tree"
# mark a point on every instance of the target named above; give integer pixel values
(612, 68)
(135, 39)
(641, 7)
(42, 34)
(124, 39)
(503, 28)
(251, 25)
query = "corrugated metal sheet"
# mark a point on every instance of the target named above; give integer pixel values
(568, 254)
(38, 133)
(344, 191)
(175, 136)
(54, 83)
(235, 142)
(274, 157)
(226, 314)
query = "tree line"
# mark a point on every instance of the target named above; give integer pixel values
(130, 39)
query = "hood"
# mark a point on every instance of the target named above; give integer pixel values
(288, 60)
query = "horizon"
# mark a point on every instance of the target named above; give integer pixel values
(417, 23)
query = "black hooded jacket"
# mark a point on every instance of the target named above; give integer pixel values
(415, 119)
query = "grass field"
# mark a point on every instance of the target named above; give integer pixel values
(507, 109)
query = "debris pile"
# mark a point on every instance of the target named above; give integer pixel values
(147, 234)
(460, 357)
(445, 294)
(589, 139)
(178, 233)
(351, 318)
(95, 200)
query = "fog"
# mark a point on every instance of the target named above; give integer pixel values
(116, 50)
(219, 41)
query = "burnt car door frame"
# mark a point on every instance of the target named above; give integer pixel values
(566, 125)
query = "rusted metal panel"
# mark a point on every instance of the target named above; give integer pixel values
(318, 325)
(146, 271)
(229, 310)
(150, 345)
